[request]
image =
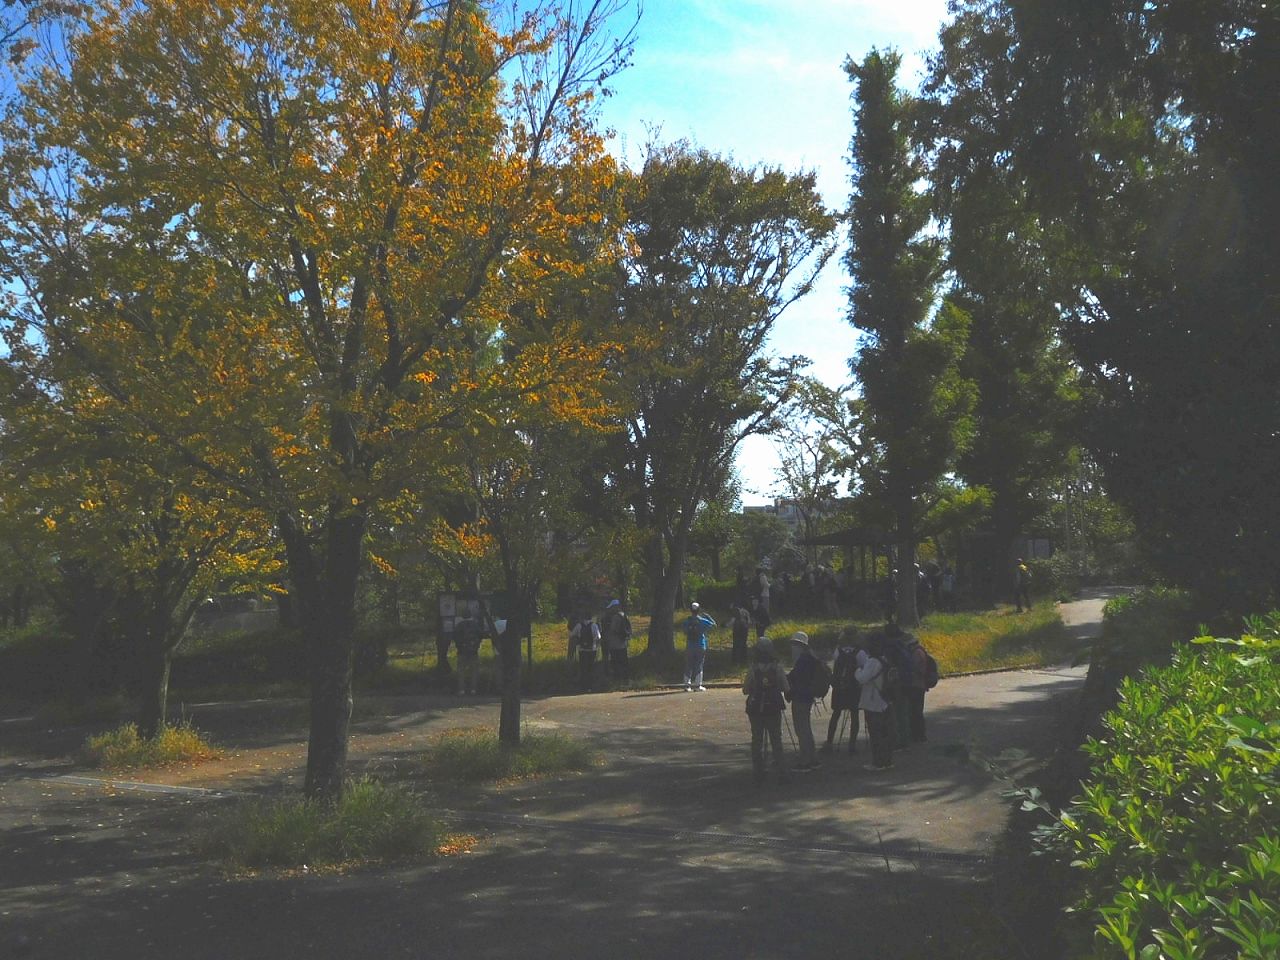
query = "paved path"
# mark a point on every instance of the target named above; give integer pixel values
(669, 851)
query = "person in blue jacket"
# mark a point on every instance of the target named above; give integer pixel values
(695, 651)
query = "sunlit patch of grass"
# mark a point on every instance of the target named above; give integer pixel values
(475, 755)
(371, 823)
(123, 748)
(993, 639)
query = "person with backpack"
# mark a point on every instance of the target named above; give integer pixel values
(615, 630)
(809, 680)
(584, 639)
(897, 678)
(695, 651)
(922, 678)
(740, 625)
(870, 675)
(765, 686)
(845, 691)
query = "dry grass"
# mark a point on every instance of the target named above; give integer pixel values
(124, 749)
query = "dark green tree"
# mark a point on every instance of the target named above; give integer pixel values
(719, 253)
(1144, 137)
(916, 405)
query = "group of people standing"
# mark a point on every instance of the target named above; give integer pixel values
(883, 676)
(611, 635)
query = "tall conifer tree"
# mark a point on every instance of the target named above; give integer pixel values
(916, 404)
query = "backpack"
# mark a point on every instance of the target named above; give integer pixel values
(842, 671)
(893, 674)
(467, 637)
(929, 672)
(766, 697)
(617, 630)
(821, 680)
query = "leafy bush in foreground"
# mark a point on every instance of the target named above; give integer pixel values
(371, 822)
(1178, 829)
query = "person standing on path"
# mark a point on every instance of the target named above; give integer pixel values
(1022, 585)
(914, 686)
(615, 628)
(762, 588)
(845, 691)
(740, 625)
(896, 677)
(802, 679)
(467, 634)
(695, 651)
(584, 639)
(871, 674)
(765, 686)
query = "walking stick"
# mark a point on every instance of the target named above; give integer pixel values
(844, 724)
(790, 733)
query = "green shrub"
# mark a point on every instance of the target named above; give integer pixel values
(123, 748)
(1177, 831)
(475, 755)
(371, 822)
(1143, 627)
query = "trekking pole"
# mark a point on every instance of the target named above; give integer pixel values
(790, 733)
(844, 724)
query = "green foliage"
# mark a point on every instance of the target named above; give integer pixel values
(719, 253)
(123, 749)
(1139, 157)
(371, 821)
(1143, 627)
(476, 755)
(1177, 830)
(916, 404)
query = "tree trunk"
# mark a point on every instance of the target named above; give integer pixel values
(518, 626)
(665, 581)
(1004, 524)
(327, 598)
(153, 691)
(21, 605)
(391, 602)
(908, 615)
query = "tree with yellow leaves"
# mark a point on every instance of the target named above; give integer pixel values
(297, 226)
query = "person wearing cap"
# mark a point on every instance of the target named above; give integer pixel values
(695, 651)
(616, 630)
(765, 686)
(801, 680)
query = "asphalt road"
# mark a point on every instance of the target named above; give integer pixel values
(669, 850)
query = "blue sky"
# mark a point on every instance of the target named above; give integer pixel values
(761, 80)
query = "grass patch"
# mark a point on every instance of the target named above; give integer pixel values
(123, 748)
(474, 755)
(372, 823)
(992, 639)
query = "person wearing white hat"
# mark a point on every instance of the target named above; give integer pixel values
(695, 651)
